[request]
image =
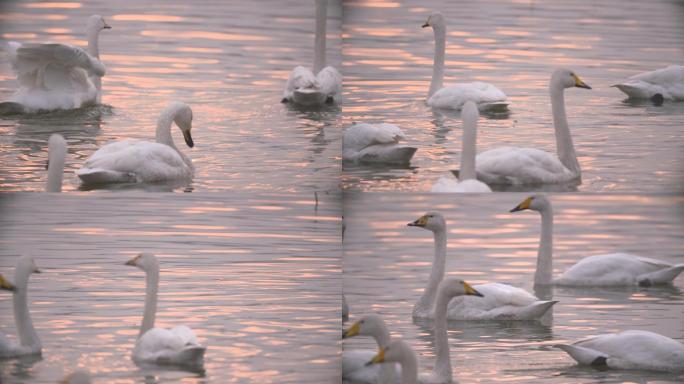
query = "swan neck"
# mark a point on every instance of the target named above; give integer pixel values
(22, 318)
(151, 289)
(56, 158)
(382, 337)
(564, 144)
(319, 43)
(438, 66)
(544, 273)
(409, 369)
(443, 365)
(437, 273)
(163, 132)
(94, 43)
(468, 150)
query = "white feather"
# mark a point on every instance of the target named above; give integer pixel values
(376, 143)
(668, 82)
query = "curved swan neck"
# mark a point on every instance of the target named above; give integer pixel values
(151, 289)
(544, 273)
(22, 318)
(564, 145)
(319, 44)
(409, 368)
(382, 336)
(427, 300)
(468, 146)
(56, 158)
(438, 66)
(443, 365)
(93, 36)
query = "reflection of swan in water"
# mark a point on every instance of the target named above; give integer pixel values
(57, 150)
(353, 361)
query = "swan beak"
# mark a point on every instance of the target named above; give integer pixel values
(37, 271)
(579, 83)
(352, 331)
(106, 26)
(4, 284)
(379, 358)
(425, 25)
(469, 290)
(421, 222)
(188, 139)
(522, 206)
(133, 261)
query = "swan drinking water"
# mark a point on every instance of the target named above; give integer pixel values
(353, 367)
(57, 150)
(136, 161)
(324, 84)
(57, 76)
(376, 143)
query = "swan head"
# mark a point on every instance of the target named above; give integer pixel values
(396, 351)
(182, 116)
(567, 79)
(6, 285)
(25, 267)
(435, 20)
(433, 221)
(452, 286)
(535, 203)
(367, 326)
(97, 23)
(144, 261)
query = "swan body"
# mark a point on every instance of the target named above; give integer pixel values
(615, 269)
(518, 166)
(29, 342)
(486, 96)
(353, 361)
(58, 76)
(376, 143)
(176, 346)
(666, 82)
(57, 150)
(467, 182)
(136, 161)
(632, 349)
(322, 85)
(501, 302)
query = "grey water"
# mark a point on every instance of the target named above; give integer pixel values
(257, 278)
(386, 266)
(622, 146)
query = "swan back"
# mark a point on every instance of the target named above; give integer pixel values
(57, 150)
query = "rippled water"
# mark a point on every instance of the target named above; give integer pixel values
(258, 279)
(229, 60)
(386, 266)
(516, 45)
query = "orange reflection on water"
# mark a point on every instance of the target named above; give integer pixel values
(150, 18)
(386, 32)
(372, 4)
(189, 35)
(15, 16)
(53, 5)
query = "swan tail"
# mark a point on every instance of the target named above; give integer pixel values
(536, 310)
(309, 96)
(584, 356)
(494, 106)
(632, 91)
(663, 276)
(192, 355)
(11, 108)
(102, 176)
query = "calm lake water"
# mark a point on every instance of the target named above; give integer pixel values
(258, 279)
(228, 60)
(386, 266)
(516, 45)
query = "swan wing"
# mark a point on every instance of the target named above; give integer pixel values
(610, 269)
(500, 302)
(300, 78)
(355, 371)
(449, 184)
(50, 65)
(669, 82)
(512, 165)
(485, 95)
(363, 135)
(330, 81)
(163, 346)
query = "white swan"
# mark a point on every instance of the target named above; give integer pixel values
(304, 87)
(57, 76)
(615, 269)
(511, 165)
(485, 95)
(662, 84)
(501, 301)
(631, 349)
(353, 361)
(29, 342)
(57, 150)
(450, 288)
(135, 161)
(376, 143)
(467, 181)
(177, 346)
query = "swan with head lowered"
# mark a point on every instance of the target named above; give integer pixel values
(29, 342)
(137, 161)
(57, 150)
(485, 95)
(500, 302)
(324, 84)
(659, 85)
(353, 361)
(467, 181)
(400, 352)
(56, 76)
(519, 166)
(176, 346)
(376, 143)
(614, 269)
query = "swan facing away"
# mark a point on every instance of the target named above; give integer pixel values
(661, 84)
(518, 166)
(137, 161)
(376, 143)
(29, 342)
(467, 182)
(324, 84)
(450, 288)
(485, 95)
(57, 150)
(632, 349)
(56, 76)
(615, 269)
(353, 361)
(500, 302)
(176, 346)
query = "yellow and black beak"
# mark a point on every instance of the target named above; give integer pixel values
(188, 139)
(469, 290)
(421, 222)
(523, 206)
(6, 285)
(106, 26)
(37, 271)
(133, 261)
(427, 24)
(352, 331)
(579, 83)
(377, 359)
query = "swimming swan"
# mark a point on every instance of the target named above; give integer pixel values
(500, 302)
(29, 342)
(305, 88)
(615, 269)
(177, 346)
(56, 76)
(630, 349)
(450, 288)
(485, 95)
(136, 161)
(353, 361)
(511, 165)
(57, 150)
(376, 143)
(467, 181)
(662, 84)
